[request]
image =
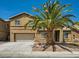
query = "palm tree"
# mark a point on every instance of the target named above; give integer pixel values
(77, 23)
(49, 18)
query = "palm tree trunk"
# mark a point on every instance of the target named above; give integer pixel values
(53, 40)
(50, 39)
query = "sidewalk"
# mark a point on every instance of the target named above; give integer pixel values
(38, 54)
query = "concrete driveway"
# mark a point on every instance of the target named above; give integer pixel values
(24, 49)
(16, 46)
(12, 49)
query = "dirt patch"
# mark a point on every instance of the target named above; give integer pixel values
(59, 48)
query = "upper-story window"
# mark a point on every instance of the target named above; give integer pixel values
(17, 22)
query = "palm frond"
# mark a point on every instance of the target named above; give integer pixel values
(50, 16)
(68, 15)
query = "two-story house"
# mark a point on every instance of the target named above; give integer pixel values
(19, 33)
(17, 28)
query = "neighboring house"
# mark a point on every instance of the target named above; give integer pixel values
(19, 33)
(4, 30)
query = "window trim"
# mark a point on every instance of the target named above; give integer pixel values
(17, 22)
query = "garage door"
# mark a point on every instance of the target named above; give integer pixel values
(24, 37)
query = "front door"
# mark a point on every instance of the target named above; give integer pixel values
(57, 35)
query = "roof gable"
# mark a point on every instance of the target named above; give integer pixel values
(21, 14)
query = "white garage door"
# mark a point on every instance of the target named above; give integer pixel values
(24, 37)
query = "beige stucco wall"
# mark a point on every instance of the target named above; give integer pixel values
(23, 20)
(19, 29)
(76, 36)
(69, 39)
(40, 37)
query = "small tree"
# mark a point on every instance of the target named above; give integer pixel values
(50, 18)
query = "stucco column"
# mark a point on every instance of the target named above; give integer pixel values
(61, 36)
(11, 37)
(72, 38)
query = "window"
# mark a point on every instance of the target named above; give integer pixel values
(43, 34)
(66, 34)
(17, 22)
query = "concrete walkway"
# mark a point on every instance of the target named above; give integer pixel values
(11, 54)
(24, 49)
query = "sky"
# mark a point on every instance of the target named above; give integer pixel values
(9, 8)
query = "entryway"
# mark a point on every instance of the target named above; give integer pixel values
(57, 35)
